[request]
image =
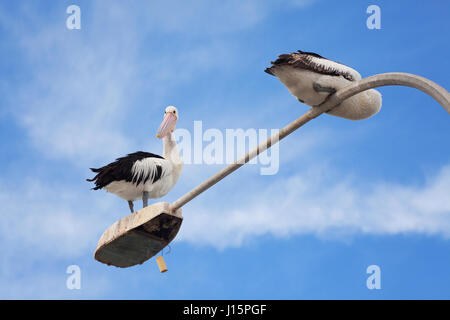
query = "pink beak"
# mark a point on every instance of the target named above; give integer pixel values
(167, 125)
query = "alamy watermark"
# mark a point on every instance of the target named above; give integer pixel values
(374, 280)
(74, 280)
(374, 20)
(74, 20)
(212, 146)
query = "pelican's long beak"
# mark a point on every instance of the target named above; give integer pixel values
(167, 125)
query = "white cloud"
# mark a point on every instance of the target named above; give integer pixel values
(52, 219)
(81, 85)
(313, 203)
(47, 226)
(80, 91)
(40, 284)
(200, 17)
(53, 223)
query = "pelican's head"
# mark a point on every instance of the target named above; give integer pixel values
(168, 124)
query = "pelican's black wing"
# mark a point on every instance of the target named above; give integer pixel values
(121, 169)
(303, 60)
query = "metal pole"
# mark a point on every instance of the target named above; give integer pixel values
(384, 79)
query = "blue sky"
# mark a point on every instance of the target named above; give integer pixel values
(347, 194)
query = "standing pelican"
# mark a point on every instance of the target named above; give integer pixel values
(312, 78)
(144, 175)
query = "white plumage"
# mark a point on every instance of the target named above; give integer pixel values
(146, 167)
(144, 175)
(312, 78)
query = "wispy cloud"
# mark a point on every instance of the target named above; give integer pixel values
(82, 85)
(76, 103)
(323, 203)
(52, 225)
(44, 228)
(51, 218)
(199, 17)
(39, 284)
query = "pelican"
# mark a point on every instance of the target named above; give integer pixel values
(311, 78)
(144, 175)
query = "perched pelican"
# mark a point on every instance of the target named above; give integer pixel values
(312, 78)
(144, 175)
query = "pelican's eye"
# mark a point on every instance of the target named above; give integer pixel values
(174, 112)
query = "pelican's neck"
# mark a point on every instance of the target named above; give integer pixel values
(170, 149)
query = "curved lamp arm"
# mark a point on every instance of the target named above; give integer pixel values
(391, 79)
(379, 80)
